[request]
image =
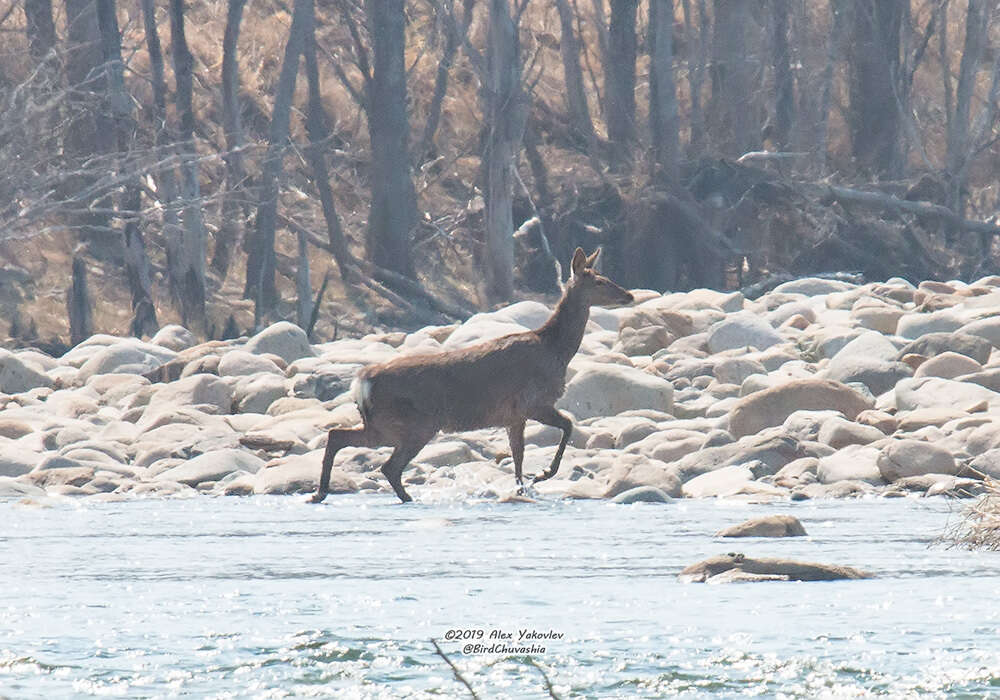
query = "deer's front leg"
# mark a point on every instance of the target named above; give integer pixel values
(557, 419)
(515, 435)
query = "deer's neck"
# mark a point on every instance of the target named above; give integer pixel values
(564, 330)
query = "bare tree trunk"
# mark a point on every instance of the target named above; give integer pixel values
(697, 56)
(873, 115)
(833, 49)
(664, 124)
(40, 27)
(164, 177)
(393, 208)
(303, 290)
(576, 96)
(505, 112)
(976, 27)
(261, 261)
(79, 304)
(230, 225)
(736, 123)
(784, 84)
(193, 253)
(119, 106)
(619, 78)
(319, 136)
(454, 35)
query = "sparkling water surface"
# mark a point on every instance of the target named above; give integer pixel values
(272, 597)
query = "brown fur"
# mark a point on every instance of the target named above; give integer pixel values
(498, 383)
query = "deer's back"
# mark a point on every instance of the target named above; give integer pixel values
(491, 384)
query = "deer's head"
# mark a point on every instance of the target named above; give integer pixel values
(595, 288)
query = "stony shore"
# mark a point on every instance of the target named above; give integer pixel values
(818, 389)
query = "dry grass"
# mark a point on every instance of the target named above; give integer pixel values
(979, 526)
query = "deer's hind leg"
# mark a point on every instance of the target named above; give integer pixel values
(337, 439)
(557, 419)
(401, 456)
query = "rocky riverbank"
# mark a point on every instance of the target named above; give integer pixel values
(818, 389)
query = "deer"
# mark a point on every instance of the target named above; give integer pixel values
(499, 383)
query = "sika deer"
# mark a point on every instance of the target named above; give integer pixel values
(497, 383)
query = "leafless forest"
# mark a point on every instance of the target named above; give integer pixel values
(354, 164)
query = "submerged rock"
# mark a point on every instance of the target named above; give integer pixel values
(739, 568)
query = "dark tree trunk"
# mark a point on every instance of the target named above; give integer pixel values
(619, 78)
(119, 106)
(505, 111)
(873, 113)
(193, 250)
(697, 57)
(784, 83)
(663, 120)
(319, 136)
(231, 223)
(261, 261)
(79, 304)
(976, 26)
(453, 35)
(736, 122)
(393, 208)
(833, 52)
(576, 95)
(40, 29)
(166, 181)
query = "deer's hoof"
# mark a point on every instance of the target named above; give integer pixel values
(317, 498)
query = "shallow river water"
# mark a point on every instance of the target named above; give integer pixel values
(272, 597)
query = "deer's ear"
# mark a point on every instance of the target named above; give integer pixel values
(593, 258)
(579, 261)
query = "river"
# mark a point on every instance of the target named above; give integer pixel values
(271, 597)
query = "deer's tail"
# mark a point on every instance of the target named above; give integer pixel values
(363, 397)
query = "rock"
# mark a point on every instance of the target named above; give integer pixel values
(903, 458)
(326, 382)
(644, 341)
(449, 453)
(740, 330)
(194, 390)
(642, 494)
(633, 471)
(284, 339)
(768, 526)
(813, 286)
(933, 344)
(722, 482)
(174, 337)
(256, 394)
(805, 425)
(240, 363)
(851, 463)
(771, 407)
(797, 472)
(933, 392)
(986, 328)
(13, 429)
(734, 370)
(948, 365)
(883, 319)
(837, 432)
(212, 466)
(870, 359)
(770, 452)
(987, 464)
(913, 326)
(128, 356)
(783, 569)
(300, 474)
(14, 490)
(599, 389)
(885, 422)
(17, 376)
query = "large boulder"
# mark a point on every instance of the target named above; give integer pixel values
(986, 328)
(212, 466)
(869, 359)
(913, 326)
(174, 337)
(300, 474)
(932, 344)
(191, 391)
(948, 365)
(284, 339)
(903, 458)
(771, 407)
(934, 392)
(722, 482)
(768, 453)
(127, 356)
(255, 394)
(240, 363)
(767, 526)
(851, 463)
(601, 389)
(740, 330)
(813, 286)
(17, 376)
